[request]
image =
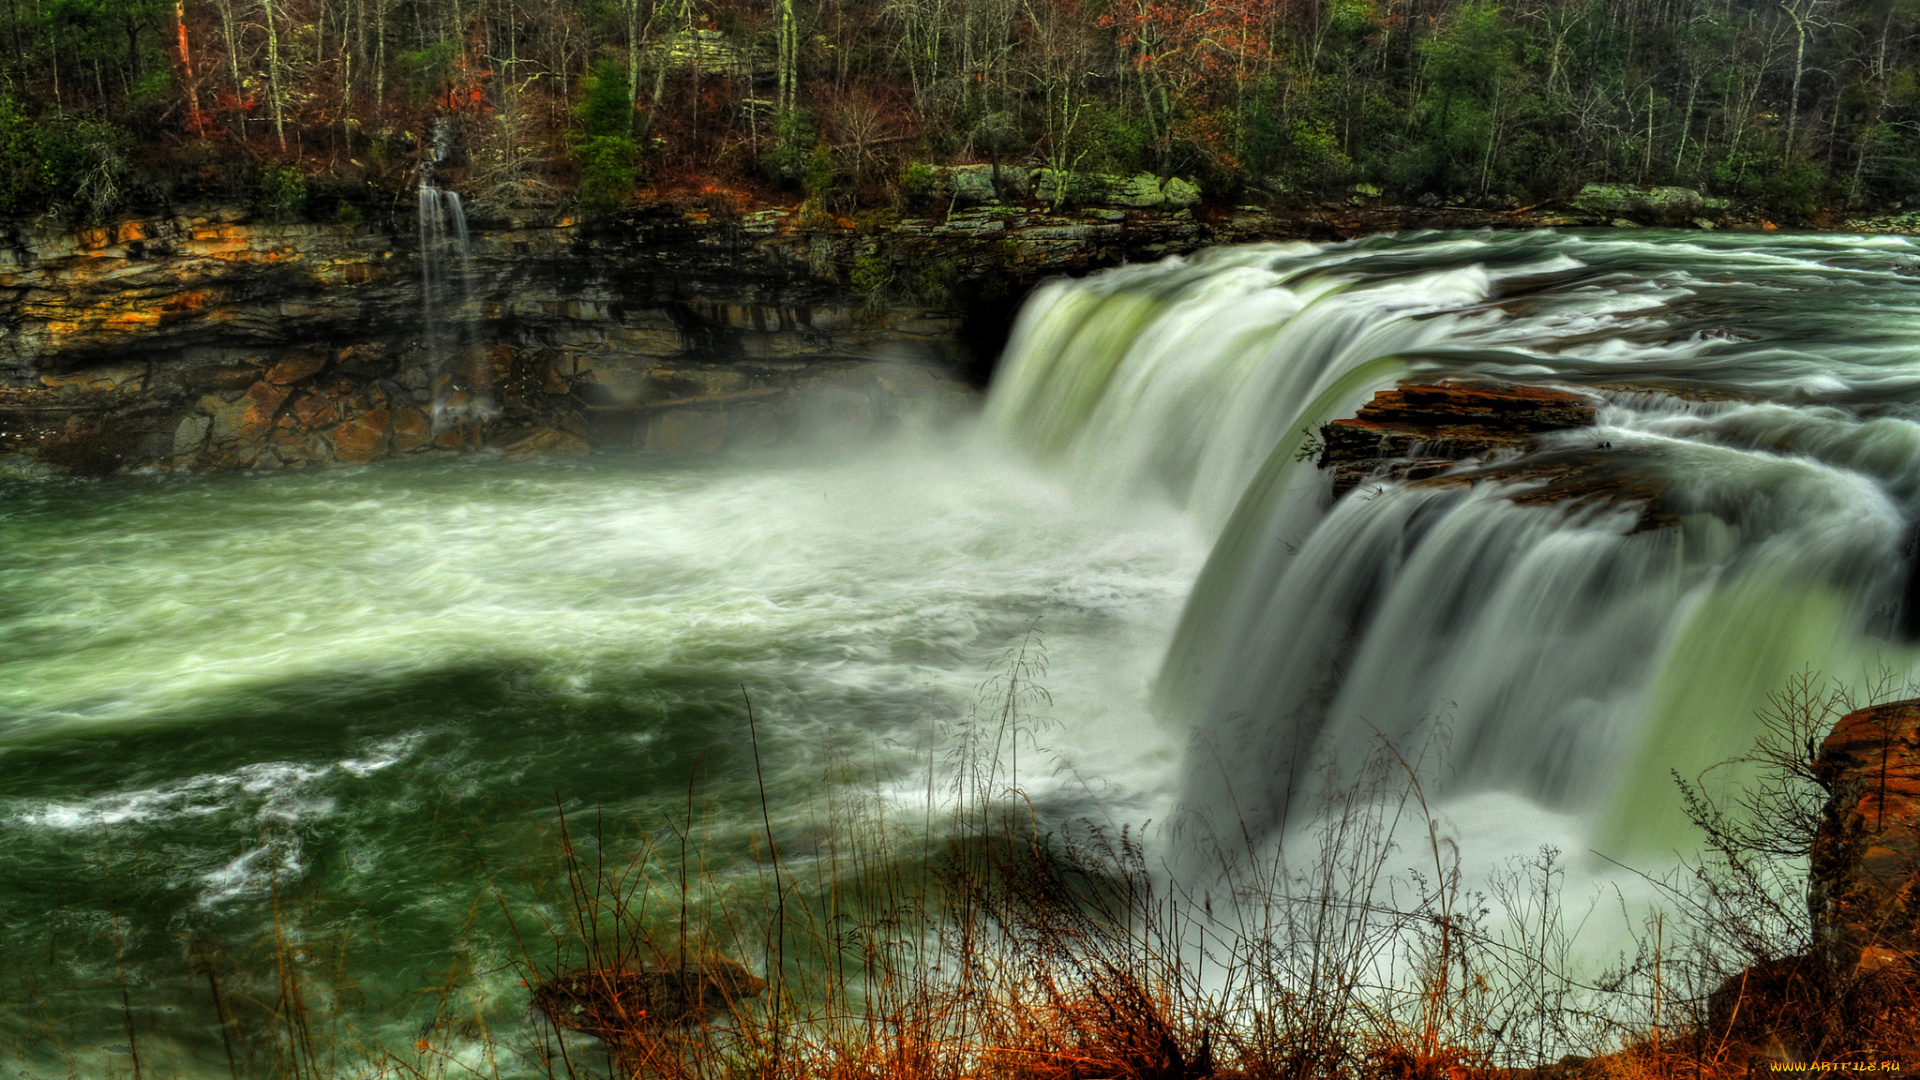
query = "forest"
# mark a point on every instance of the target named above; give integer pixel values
(305, 107)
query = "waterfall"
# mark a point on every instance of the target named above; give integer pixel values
(1767, 387)
(446, 276)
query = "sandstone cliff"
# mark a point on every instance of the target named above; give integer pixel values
(203, 340)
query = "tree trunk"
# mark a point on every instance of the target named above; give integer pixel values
(1799, 69)
(273, 74)
(380, 65)
(187, 80)
(633, 61)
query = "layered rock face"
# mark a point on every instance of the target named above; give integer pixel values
(1412, 432)
(1479, 432)
(1865, 865)
(201, 340)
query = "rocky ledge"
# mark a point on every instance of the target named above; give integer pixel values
(1458, 432)
(200, 339)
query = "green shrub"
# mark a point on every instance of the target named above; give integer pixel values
(935, 283)
(1794, 191)
(1113, 141)
(62, 162)
(155, 88)
(607, 173)
(818, 183)
(784, 159)
(916, 182)
(429, 68)
(1312, 156)
(281, 193)
(872, 273)
(605, 149)
(876, 220)
(604, 107)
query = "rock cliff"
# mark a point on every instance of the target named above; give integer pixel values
(203, 340)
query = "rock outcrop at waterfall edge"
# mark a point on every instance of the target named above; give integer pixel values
(1864, 879)
(1854, 997)
(1461, 432)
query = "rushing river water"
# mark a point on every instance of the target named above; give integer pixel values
(342, 707)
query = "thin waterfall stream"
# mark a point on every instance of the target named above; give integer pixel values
(446, 268)
(349, 703)
(446, 295)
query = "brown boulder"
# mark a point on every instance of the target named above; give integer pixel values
(411, 430)
(539, 442)
(364, 437)
(251, 417)
(316, 409)
(295, 368)
(1468, 433)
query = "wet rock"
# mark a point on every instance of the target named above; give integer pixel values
(205, 313)
(411, 431)
(250, 417)
(687, 429)
(1139, 192)
(191, 435)
(295, 368)
(317, 409)
(973, 184)
(1181, 194)
(104, 378)
(363, 438)
(1858, 986)
(1470, 433)
(539, 442)
(1414, 431)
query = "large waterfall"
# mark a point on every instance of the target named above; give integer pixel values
(1768, 389)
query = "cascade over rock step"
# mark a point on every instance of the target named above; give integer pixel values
(1469, 432)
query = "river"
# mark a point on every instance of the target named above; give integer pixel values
(337, 715)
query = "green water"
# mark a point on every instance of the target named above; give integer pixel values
(362, 698)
